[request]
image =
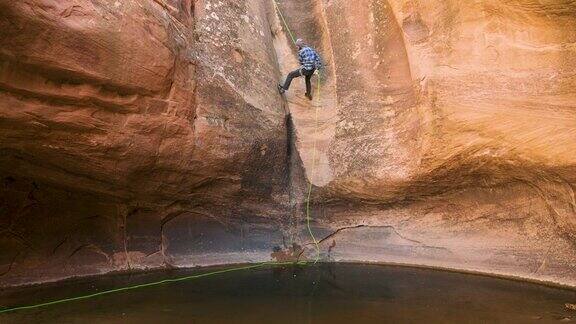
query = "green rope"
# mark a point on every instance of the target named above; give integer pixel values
(150, 284)
(284, 20)
(314, 149)
(313, 174)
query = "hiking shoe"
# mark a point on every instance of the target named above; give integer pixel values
(281, 89)
(309, 96)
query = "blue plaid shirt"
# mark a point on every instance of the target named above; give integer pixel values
(309, 59)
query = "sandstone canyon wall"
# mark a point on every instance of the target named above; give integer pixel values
(133, 132)
(453, 142)
(146, 134)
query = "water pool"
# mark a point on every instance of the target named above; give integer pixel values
(324, 293)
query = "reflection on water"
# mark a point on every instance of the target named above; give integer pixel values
(327, 293)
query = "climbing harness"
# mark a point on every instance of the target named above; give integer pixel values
(212, 273)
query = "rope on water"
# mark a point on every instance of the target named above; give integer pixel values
(149, 284)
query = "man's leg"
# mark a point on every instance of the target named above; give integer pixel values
(291, 75)
(309, 75)
(308, 86)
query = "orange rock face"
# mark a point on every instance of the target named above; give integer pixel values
(444, 135)
(144, 134)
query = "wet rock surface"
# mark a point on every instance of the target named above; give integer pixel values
(148, 134)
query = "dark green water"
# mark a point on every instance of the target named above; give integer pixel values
(328, 293)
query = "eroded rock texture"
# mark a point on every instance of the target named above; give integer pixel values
(131, 130)
(144, 134)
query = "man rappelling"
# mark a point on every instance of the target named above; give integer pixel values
(310, 63)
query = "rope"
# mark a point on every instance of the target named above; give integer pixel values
(316, 243)
(308, 218)
(213, 273)
(150, 284)
(284, 20)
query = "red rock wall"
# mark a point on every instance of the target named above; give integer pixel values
(126, 124)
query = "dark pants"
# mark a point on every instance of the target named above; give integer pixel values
(298, 73)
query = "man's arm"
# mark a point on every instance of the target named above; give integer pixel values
(301, 57)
